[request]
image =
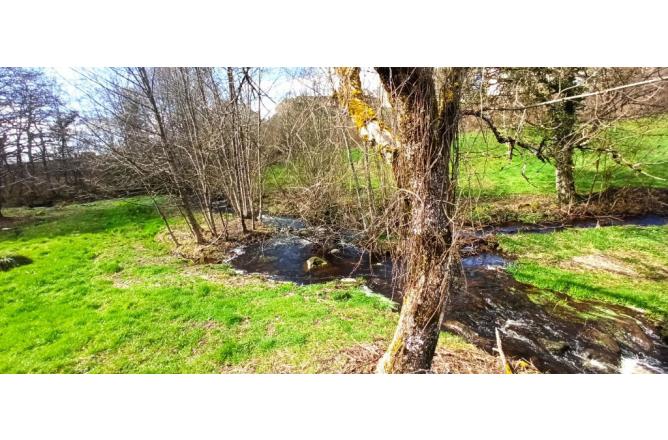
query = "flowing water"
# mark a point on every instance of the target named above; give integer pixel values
(554, 331)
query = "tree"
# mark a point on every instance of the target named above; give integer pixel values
(425, 163)
(566, 109)
(188, 133)
(30, 106)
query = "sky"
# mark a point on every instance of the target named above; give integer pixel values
(277, 82)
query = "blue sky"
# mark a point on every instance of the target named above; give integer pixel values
(277, 82)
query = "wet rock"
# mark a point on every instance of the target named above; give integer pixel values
(627, 332)
(594, 364)
(606, 342)
(315, 263)
(663, 331)
(556, 347)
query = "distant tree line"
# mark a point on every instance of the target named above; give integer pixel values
(39, 158)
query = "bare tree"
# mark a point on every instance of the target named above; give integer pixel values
(188, 133)
(425, 164)
(36, 140)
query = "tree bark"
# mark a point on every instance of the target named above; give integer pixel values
(425, 168)
(147, 88)
(425, 163)
(564, 179)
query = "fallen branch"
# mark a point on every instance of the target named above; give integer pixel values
(505, 366)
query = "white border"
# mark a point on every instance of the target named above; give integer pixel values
(350, 32)
(353, 32)
(332, 407)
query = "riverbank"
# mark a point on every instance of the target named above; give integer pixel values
(106, 291)
(555, 331)
(103, 295)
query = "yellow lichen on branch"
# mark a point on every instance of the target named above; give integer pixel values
(351, 97)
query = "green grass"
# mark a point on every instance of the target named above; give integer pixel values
(519, 190)
(102, 295)
(546, 261)
(488, 173)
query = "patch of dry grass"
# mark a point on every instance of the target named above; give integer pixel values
(453, 356)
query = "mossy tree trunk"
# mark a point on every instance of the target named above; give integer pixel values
(425, 163)
(563, 117)
(564, 178)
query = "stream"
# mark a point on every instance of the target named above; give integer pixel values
(559, 335)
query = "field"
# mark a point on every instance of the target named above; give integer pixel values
(489, 174)
(102, 295)
(625, 264)
(95, 290)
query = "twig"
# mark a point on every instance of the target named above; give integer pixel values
(505, 367)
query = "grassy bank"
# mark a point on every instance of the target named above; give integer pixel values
(489, 174)
(626, 264)
(103, 295)
(498, 189)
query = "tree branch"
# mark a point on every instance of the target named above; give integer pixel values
(508, 140)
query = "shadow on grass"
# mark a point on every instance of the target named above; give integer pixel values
(584, 289)
(11, 261)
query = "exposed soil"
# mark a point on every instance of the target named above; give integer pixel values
(612, 203)
(217, 248)
(603, 263)
(7, 223)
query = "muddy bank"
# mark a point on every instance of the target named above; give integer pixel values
(618, 202)
(557, 333)
(554, 331)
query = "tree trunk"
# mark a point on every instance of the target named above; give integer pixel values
(175, 174)
(564, 179)
(425, 164)
(564, 119)
(194, 224)
(425, 167)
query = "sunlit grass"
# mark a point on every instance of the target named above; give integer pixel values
(102, 295)
(487, 172)
(546, 261)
